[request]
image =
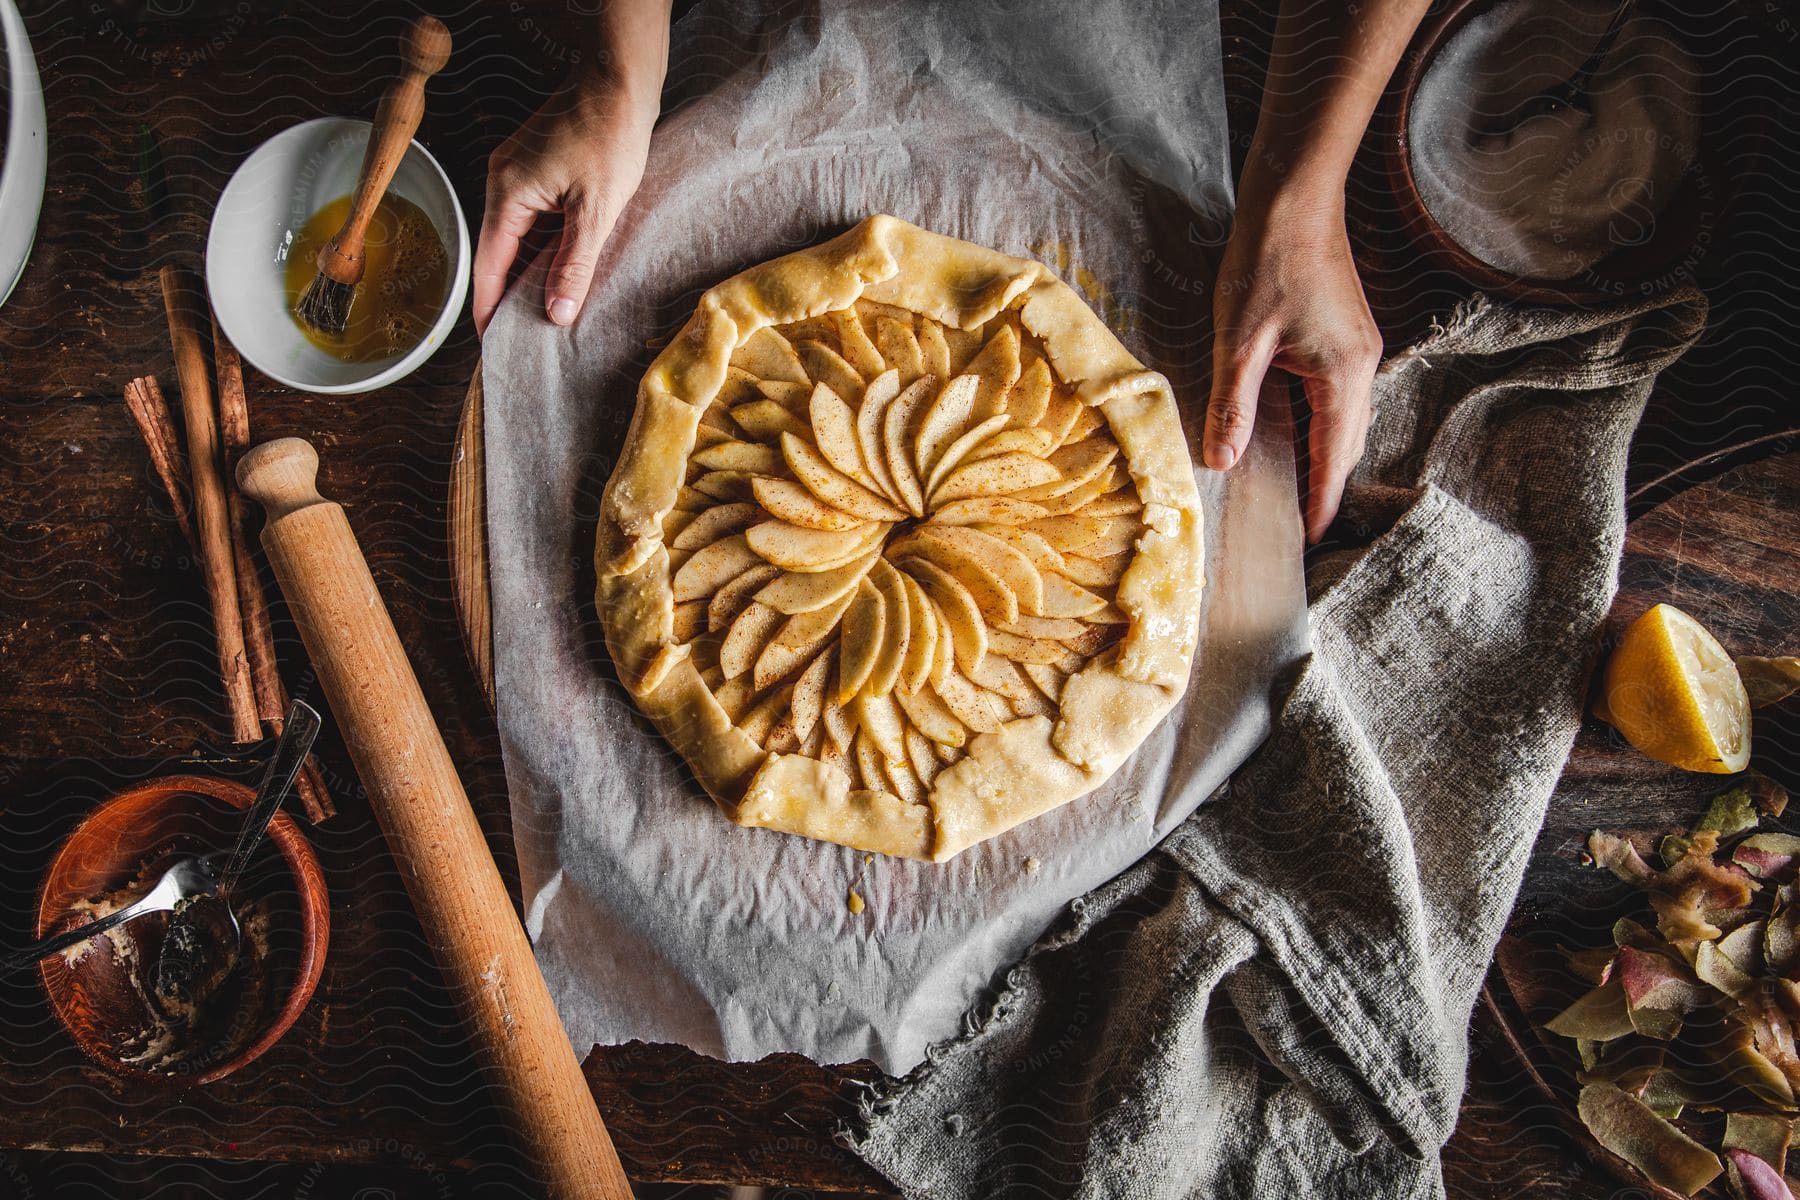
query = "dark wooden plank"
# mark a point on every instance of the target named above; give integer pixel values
(1727, 551)
(103, 641)
(104, 638)
(676, 1114)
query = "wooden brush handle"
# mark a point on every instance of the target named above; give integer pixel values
(424, 51)
(431, 830)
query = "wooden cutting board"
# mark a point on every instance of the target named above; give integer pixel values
(467, 518)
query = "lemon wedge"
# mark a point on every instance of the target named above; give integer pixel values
(1675, 694)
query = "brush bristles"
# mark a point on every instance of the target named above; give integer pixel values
(326, 304)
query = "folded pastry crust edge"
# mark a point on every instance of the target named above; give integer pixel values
(1027, 766)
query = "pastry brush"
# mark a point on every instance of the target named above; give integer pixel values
(326, 304)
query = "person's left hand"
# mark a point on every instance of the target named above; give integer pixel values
(582, 155)
(1288, 297)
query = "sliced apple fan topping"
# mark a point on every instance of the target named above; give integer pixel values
(894, 535)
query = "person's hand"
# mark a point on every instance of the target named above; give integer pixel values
(1288, 297)
(581, 155)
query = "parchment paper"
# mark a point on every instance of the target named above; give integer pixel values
(1100, 151)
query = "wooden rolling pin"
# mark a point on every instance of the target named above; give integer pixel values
(431, 830)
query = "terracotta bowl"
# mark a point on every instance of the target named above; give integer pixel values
(123, 846)
(1683, 232)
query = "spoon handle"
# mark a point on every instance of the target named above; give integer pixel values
(1578, 84)
(291, 749)
(58, 942)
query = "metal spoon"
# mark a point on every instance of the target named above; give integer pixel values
(201, 944)
(1573, 93)
(185, 878)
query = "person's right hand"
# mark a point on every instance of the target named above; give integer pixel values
(582, 155)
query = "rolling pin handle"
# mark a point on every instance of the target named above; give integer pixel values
(282, 476)
(426, 47)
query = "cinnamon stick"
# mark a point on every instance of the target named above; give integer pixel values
(181, 299)
(150, 412)
(313, 794)
(259, 634)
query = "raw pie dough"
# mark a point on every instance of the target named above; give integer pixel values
(903, 547)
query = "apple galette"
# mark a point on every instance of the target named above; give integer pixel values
(903, 547)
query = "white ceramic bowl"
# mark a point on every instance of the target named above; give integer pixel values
(25, 147)
(262, 210)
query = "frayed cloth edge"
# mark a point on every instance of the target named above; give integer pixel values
(989, 1008)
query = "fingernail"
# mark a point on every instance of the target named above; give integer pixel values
(1220, 456)
(562, 311)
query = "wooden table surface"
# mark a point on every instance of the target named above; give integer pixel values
(105, 645)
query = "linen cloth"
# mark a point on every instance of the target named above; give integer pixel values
(1276, 1001)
